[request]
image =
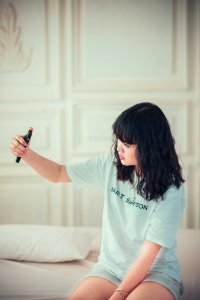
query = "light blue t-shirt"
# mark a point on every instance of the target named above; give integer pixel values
(129, 219)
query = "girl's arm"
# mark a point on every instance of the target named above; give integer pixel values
(138, 270)
(48, 169)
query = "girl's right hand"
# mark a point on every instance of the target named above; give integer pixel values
(18, 146)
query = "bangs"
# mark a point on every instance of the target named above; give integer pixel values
(125, 130)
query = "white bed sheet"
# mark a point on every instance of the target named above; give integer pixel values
(29, 281)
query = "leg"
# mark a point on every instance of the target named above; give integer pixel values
(150, 290)
(93, 287)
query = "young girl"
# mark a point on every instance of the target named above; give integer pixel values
(144, 202)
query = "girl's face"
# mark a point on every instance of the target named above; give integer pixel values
(127, 153)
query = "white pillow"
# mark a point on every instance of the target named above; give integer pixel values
(45, 243)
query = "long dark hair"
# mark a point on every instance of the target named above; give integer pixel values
(145, 125)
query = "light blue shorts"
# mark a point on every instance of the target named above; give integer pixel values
(175, 287)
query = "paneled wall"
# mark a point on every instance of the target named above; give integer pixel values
(68, 68)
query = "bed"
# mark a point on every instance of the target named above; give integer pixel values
(33, 264)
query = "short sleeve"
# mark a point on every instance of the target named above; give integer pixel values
(166, 218)
(91, 172)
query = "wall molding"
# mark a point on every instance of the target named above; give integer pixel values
(30, 76)
(175, 80)
(12, 55)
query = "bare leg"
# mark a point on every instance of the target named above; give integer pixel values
(93, 287)
(150, 290)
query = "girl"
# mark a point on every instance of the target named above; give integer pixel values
(144, 202)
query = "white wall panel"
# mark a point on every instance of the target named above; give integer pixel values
(29, 50)
(130, 45)
(91, 126)
(98, 57)
(29, 202)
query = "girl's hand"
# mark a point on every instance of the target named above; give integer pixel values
(18, 146)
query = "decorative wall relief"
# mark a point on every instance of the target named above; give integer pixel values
(12, 56)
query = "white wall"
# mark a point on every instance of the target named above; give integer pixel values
(68, 68)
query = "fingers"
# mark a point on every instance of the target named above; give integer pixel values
(18, 146)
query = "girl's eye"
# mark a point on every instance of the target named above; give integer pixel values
(126, 145)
